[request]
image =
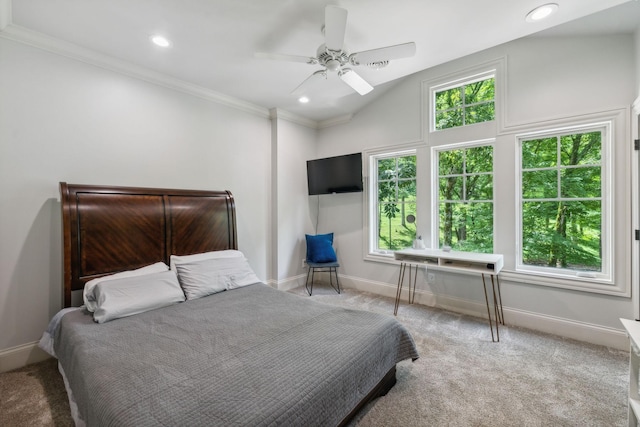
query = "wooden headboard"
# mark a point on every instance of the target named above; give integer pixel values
(110, 229)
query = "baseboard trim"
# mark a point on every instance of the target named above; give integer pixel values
(20, 356)
(291, 282)
(581, 331)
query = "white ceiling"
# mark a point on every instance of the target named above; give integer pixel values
(214, 41)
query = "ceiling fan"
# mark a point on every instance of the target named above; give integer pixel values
(333, 56)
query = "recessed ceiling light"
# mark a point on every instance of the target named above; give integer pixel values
(160, 41)
(541, 12)
(303, 99)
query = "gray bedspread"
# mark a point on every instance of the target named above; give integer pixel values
(252, 356)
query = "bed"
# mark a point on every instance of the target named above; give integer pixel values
(247, 354)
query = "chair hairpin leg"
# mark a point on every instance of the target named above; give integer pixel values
(306, 284)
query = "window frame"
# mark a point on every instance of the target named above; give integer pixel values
(452, 84)
(590, 279)
(372, 253)
(435, 186)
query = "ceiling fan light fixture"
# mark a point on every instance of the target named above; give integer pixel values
(159, 40)
(541, 12)
(333, 65)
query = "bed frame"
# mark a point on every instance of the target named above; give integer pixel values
(111, 229)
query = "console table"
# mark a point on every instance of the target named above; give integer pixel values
(633, 331)
(484, 264)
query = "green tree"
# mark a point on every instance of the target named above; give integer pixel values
(561, 210)
(466, 194)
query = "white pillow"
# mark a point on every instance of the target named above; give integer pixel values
(181, 259)
(89, 297)
(208, 276)
(133, 295)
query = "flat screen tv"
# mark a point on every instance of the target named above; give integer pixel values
(339, 174)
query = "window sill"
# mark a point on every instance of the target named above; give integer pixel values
(582, 284)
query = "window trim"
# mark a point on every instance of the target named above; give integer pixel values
(435, 189)
(583, 281)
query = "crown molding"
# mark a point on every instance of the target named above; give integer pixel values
(78, 53)
(277, 113)
(335, 121)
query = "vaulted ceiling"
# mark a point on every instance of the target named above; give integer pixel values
(213, 42)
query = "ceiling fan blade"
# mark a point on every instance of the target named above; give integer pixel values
(335, 25)
(388, 53)
(284, 57)
(356, 82)
(309, 81)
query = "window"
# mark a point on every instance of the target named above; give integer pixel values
(465, 198)
(464, 104)
(393, 201)
(563, 208)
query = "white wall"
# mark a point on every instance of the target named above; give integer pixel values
(64, 120)
(295, 216)
(547, 78)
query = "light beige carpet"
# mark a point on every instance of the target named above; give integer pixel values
(461, 378)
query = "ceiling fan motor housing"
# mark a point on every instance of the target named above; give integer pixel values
(332, 59)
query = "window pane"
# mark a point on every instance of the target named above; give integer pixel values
(581, 149)
(386, 168)
(581, 182)
(449, 118)
(467, 226)
(449, 99)
(479, 159)
(396, 199)
(387, 191)
(562, 235)
(539, 153)
(479, 187)
(465, 104)
(394, 231)
(407, 189)
(407, 167)
(450, 162)
(540, 184)
(479, 113)
(451, 188)
(464, 224)
(480, 91)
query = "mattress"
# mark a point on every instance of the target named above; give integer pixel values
(248, 356)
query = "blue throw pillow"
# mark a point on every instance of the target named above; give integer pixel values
(320, 248)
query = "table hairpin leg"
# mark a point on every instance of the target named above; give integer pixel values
(412, 290)
(486, 299)
(399, 288)
(499, 301)
(497, 305)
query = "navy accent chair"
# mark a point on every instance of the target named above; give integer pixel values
(321, 257)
